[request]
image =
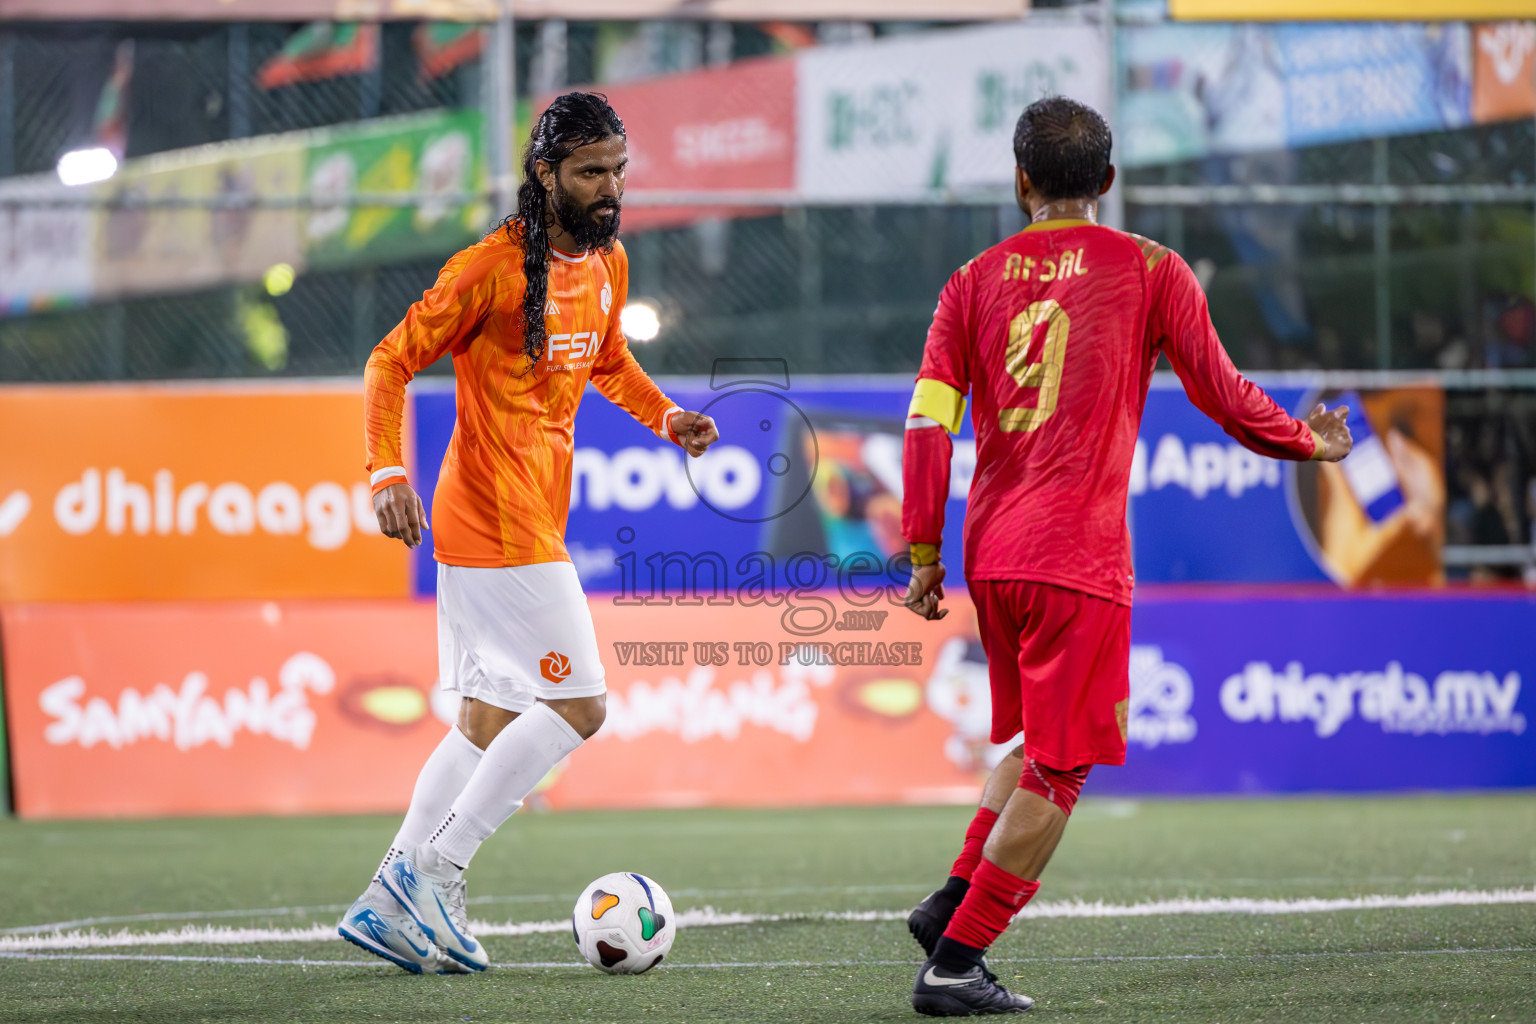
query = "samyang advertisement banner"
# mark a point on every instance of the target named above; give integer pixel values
(158, 708)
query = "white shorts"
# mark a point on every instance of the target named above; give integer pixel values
(516, 634)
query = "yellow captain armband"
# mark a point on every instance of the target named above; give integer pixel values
(939, 402)
(925, 554)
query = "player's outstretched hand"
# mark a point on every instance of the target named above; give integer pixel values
(400, 513)
(695, 432)
(1331, 433)
(926, 589)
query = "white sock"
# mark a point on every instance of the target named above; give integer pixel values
(441, 780)
(516, 760)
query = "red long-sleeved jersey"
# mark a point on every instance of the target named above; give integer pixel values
(1055, 333)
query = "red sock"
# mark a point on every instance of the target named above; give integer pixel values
(975, 839)
(994, 897)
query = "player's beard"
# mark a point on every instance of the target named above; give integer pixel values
(590, 230)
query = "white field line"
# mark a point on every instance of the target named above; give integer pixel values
(706, 917)
(336, 908)
(677, 894)
(764, 964)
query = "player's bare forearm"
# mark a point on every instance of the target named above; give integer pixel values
(401, 513)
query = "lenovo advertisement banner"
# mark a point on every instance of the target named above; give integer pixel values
(832, 696)
(806, 478)
(189, 492)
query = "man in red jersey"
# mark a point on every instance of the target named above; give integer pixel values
(1054, 334)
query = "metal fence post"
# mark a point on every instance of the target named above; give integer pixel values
(1382, 260)
(500, 110)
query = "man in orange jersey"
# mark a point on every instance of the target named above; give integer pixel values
(530, 314)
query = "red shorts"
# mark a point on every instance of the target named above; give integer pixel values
(1059, 662)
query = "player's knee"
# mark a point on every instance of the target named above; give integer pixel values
(584, 714)
(1059, 787)
(481, 722)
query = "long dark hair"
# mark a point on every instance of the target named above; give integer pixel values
(574, 120)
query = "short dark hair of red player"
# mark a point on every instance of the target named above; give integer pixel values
(1064, 148)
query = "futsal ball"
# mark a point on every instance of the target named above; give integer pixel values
(623, 923)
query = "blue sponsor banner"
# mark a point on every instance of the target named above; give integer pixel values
(1194, 90)
(1239, 694)
(1205, 509)
(816, 468)
(1357, 81)
(813, 467)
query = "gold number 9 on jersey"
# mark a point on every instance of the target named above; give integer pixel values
(1045, 373)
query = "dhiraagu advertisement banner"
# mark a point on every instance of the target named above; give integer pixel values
(437, 154)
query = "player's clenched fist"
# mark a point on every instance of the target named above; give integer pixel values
(401, 514)
(695, 432)
(925, 590)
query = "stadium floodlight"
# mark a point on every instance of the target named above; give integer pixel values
(639, 322)
(87, 166)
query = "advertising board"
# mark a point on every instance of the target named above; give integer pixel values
(815, 467)
(914, 116)
(131, 492)
(799, 696)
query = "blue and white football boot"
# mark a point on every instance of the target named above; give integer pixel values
(376, 923)
(436, 904)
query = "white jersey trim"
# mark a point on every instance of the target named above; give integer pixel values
(664, 432)
(385, 474)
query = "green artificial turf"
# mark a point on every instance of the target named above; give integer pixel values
(1468, 963)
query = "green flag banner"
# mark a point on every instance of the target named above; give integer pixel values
(436, 156)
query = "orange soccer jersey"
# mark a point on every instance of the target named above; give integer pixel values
(505, 488)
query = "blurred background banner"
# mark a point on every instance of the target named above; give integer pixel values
(140, 250)
(726, 129)
(905, 117)
(486, 10)
(819, 698)
(437, 157)
(194, 218)
(1196, 90)
(47, 252)
(184, 493)
(249, 10)
(1503, 82)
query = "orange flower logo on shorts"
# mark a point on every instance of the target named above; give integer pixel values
(555, 667)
